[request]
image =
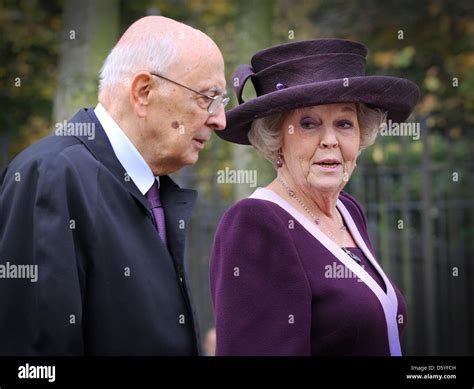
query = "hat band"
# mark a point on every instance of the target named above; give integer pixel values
(308, 70)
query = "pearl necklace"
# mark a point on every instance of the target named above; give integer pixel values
(317, 221)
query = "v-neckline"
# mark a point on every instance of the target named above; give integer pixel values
(325, 240)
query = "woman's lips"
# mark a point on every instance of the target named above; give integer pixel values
(328, 165)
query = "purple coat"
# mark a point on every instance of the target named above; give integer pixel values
(281, 287)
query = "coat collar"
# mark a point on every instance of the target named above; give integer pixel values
(177, 202)
(125, 151)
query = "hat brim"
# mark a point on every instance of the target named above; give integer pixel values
(397, 96)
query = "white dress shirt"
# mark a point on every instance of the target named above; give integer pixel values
(126, 152)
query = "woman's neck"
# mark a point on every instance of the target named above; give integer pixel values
(320, 203)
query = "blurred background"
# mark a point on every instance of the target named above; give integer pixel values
(417, 193)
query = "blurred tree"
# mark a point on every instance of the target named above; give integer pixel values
(431, 43)
(90, 31)
(253, 33)
(28, 52)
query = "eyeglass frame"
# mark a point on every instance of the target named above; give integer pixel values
(223, 100)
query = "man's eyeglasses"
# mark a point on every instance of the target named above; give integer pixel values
(215, 100)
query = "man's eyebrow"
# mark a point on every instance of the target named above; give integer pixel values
(215, 89)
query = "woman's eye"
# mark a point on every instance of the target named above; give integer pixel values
(308, 124)
(345, 124)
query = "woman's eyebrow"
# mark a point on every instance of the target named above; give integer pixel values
(347, 109)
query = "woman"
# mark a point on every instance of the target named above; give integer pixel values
(293, 271)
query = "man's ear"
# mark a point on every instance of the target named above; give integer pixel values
(140, 92)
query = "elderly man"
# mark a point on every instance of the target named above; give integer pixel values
(92, 229)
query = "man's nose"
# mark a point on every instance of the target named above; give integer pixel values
(217, 120)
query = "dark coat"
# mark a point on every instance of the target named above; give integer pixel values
(106, 285)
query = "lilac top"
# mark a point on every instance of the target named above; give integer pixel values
(281, 287)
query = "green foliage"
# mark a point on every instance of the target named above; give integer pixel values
(29, 53)
(437, 48)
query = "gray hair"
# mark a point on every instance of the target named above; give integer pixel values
(266, 136)
(150, 54)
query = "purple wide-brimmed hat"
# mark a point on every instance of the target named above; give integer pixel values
(314, 72)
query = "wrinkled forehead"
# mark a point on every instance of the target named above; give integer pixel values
(200, 55)
(202, 67)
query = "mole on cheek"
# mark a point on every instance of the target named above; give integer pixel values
(175, 124)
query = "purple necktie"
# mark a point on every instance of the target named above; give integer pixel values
(153, 196)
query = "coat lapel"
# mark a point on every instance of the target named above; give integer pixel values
(101, 149)
(177, 202)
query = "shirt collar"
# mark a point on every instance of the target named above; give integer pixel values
(126, 152)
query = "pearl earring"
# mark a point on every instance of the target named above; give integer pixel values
(279, 161)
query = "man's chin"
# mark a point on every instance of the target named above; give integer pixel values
(192, 159)
(176, 165)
